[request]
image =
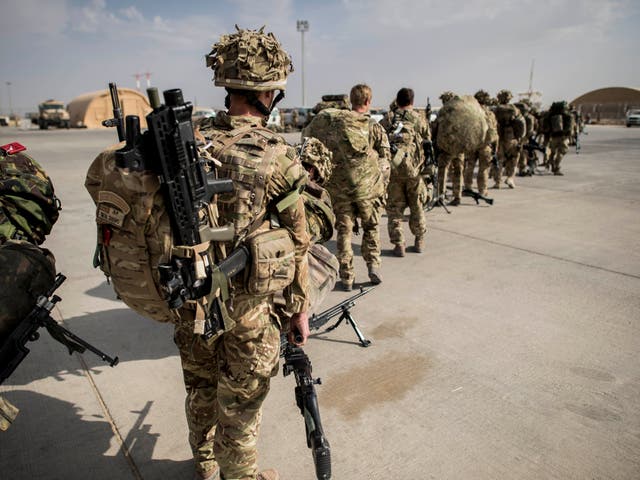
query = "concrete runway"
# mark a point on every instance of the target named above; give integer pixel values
(510, 349)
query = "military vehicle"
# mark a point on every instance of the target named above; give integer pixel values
(52, 113)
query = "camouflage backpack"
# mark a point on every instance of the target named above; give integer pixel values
(406, 144)
(134, 234)
(560, 119)
(27, 272)
(511, 123)
(28, 205)
(347, 135)
(462, 125)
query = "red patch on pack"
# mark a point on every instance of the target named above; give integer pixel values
(13, 147)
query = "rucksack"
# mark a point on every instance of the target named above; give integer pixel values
(27, 272)
(405, 144)
(28, 205)
(133, 234)
(347, 135)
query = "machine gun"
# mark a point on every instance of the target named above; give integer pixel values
(467, 192)
(298, 363)
(168, 148)
(344, 310)
(14, 349)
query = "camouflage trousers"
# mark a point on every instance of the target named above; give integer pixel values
(508, 152)
(558, 146)
(403, 193)
(456, 162)
(227, 379)
(482, 156)
(347, 213)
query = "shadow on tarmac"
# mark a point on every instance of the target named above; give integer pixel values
(74, 456)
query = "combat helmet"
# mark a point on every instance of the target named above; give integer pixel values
(446, 96)
(249, 60)
(504, 96)
(313, 153)
(483, 97)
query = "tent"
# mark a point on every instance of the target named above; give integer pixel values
(90, 109)
(608, 105)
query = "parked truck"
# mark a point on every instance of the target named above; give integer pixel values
(52, 113)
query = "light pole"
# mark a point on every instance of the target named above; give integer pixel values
(302, 26)
(9, 94)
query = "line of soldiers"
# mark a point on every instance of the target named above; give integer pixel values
(402, 161)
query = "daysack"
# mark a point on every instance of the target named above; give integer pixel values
(28, 205)
(134, 234)
(557, 125)
(405, 144)
(27, 272)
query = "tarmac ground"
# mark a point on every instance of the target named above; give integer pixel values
(510, 349)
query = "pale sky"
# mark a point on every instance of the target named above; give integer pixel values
(63, 48)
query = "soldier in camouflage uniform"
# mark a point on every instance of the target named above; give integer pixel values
(406, 130)
(511, 129)
(357, 186)
(561, 127)
(530, 120)
(227, 377)
(484, 154)
(28, 210)
(445, 160)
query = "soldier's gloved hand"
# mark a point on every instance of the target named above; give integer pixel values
(299, 329)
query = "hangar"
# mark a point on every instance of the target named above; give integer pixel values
(608, 105)
(90, 109)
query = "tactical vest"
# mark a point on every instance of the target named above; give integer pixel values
(28, 205)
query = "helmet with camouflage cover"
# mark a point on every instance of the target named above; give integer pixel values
(250, 60)
(446, 96)
(483, 97)
(313, 153)
(504, 96)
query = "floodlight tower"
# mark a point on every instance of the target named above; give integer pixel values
(302, 26)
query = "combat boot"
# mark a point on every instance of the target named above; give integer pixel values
(558, 172)
(509, 182)
(455, 202)
(398, 250)
(270, 474)
(374, 275)
(418, 245)
(346, 285)
(210, 474)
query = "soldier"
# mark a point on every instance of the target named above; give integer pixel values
(511, 128)
(485, 153)
(227, 378)
(561, 126)
(407, 131)
(524, 107)
(357, 186)
(445, 160)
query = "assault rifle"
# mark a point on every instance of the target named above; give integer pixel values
(14, 349)
(467, 192)
(344, 310)
(298, 363)
(168, 148)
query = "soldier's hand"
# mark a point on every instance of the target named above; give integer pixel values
(299, 329)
